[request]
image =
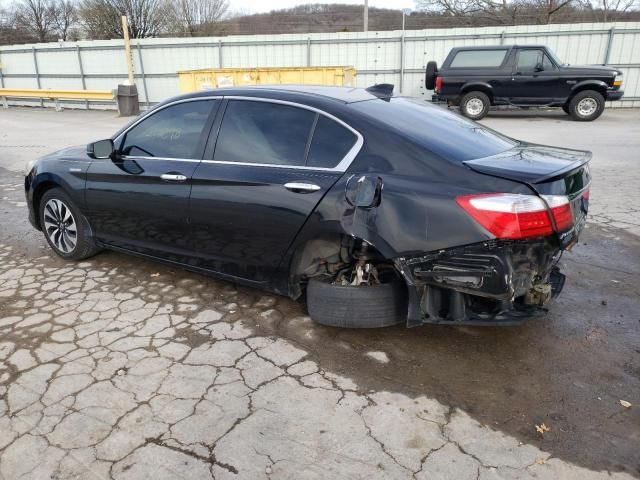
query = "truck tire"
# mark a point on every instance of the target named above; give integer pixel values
(430, 75)
(475, 105)
(65, 228)
(586, 106)
(565, 109)
(364, 306)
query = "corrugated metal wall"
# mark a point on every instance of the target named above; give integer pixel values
(379, 57)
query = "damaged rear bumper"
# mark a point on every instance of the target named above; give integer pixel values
(499, 282)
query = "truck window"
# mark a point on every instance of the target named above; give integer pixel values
(478, 59)
(528, 59)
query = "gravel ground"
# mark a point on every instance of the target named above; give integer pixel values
(117, 367)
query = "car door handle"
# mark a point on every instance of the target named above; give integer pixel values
(173, 177)
(300, 187)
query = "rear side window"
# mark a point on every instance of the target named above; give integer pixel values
(264, 132)
(173, 132)
(478, 59)
(331, 142)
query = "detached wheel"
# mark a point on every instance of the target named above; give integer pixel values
(475, 105)
(364, 306)
(586, 106)
(64, 227)
(430, 75)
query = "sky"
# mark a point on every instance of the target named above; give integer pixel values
(259, 6)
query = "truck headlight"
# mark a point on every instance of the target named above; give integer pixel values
(617, 82)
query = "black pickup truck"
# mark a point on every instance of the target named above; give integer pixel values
(476, 78)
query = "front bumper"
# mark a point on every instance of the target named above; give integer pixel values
(493, 283)
(613, 95)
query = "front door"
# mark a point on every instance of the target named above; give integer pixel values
(139, 199)
(271, 165)
(535, 80)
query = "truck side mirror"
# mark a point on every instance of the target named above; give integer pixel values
(538, 67)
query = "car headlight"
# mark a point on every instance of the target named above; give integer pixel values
(617, 82)
(29, 166)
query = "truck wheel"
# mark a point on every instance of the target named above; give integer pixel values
(475, 105)
(430, 75)
(65, 228)
(565, 109)
(364, 306)
(586, 106)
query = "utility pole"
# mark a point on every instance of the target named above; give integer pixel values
(127, 47)
(366, 16)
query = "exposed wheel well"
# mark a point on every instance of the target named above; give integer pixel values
(328, 255)
(37, 196)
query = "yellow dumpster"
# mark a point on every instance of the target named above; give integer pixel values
(194, 80)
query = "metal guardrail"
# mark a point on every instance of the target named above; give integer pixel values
(57, 95)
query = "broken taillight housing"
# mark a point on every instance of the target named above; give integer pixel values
(438, 84)
(515, 216)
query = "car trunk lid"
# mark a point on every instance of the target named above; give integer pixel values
(551, 172)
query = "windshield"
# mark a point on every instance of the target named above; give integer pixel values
(554, 57)
(444, 133)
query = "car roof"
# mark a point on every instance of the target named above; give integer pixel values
(496, 47)
(339, 94)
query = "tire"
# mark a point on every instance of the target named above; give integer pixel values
(430, 75)
(375, 306)
(57, 208)
(565, 109)
(586, 106)
(478, 102)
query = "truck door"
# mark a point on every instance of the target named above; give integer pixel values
(535, 79)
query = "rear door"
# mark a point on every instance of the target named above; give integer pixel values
(139, 199)
(536, 79)
(270, 166)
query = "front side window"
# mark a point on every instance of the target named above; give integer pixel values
(528, 60)
(331, 142)
(173, 132)
(264, 133)
(478, 59)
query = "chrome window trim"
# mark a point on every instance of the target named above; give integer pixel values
(341, 167)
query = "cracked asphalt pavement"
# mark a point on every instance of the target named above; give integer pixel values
(118, 367)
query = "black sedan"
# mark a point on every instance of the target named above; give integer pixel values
(382, 209)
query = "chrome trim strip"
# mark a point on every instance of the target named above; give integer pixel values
(340, 167)
(140, 157)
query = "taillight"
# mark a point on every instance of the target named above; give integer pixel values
(438, 84)
(561, 211)
(515, 216)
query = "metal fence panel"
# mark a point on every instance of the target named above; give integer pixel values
(379, 57)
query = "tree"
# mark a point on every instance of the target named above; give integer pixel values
(611, 10)
(36, 18)
(198, 17)
(147, 18)
(65, 17)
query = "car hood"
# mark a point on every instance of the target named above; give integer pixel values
(596, 69)
(78, 152)
(531, 163)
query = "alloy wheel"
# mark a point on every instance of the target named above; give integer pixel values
(60, 225)
(475, 106)
(587, 106)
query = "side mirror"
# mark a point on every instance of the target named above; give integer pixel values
(101, 149)
(539, 67)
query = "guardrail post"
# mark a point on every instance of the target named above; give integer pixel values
(144, 78)
(607, 52)
(219, 53)
(502, 38)
(35, 65)
(308, 51)
(84, 83)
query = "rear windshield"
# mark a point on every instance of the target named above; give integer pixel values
(478, 59)
(444, 133)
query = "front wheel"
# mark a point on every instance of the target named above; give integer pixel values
(64, 227)
(586, 106)
(475, 105)
(363, 306)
